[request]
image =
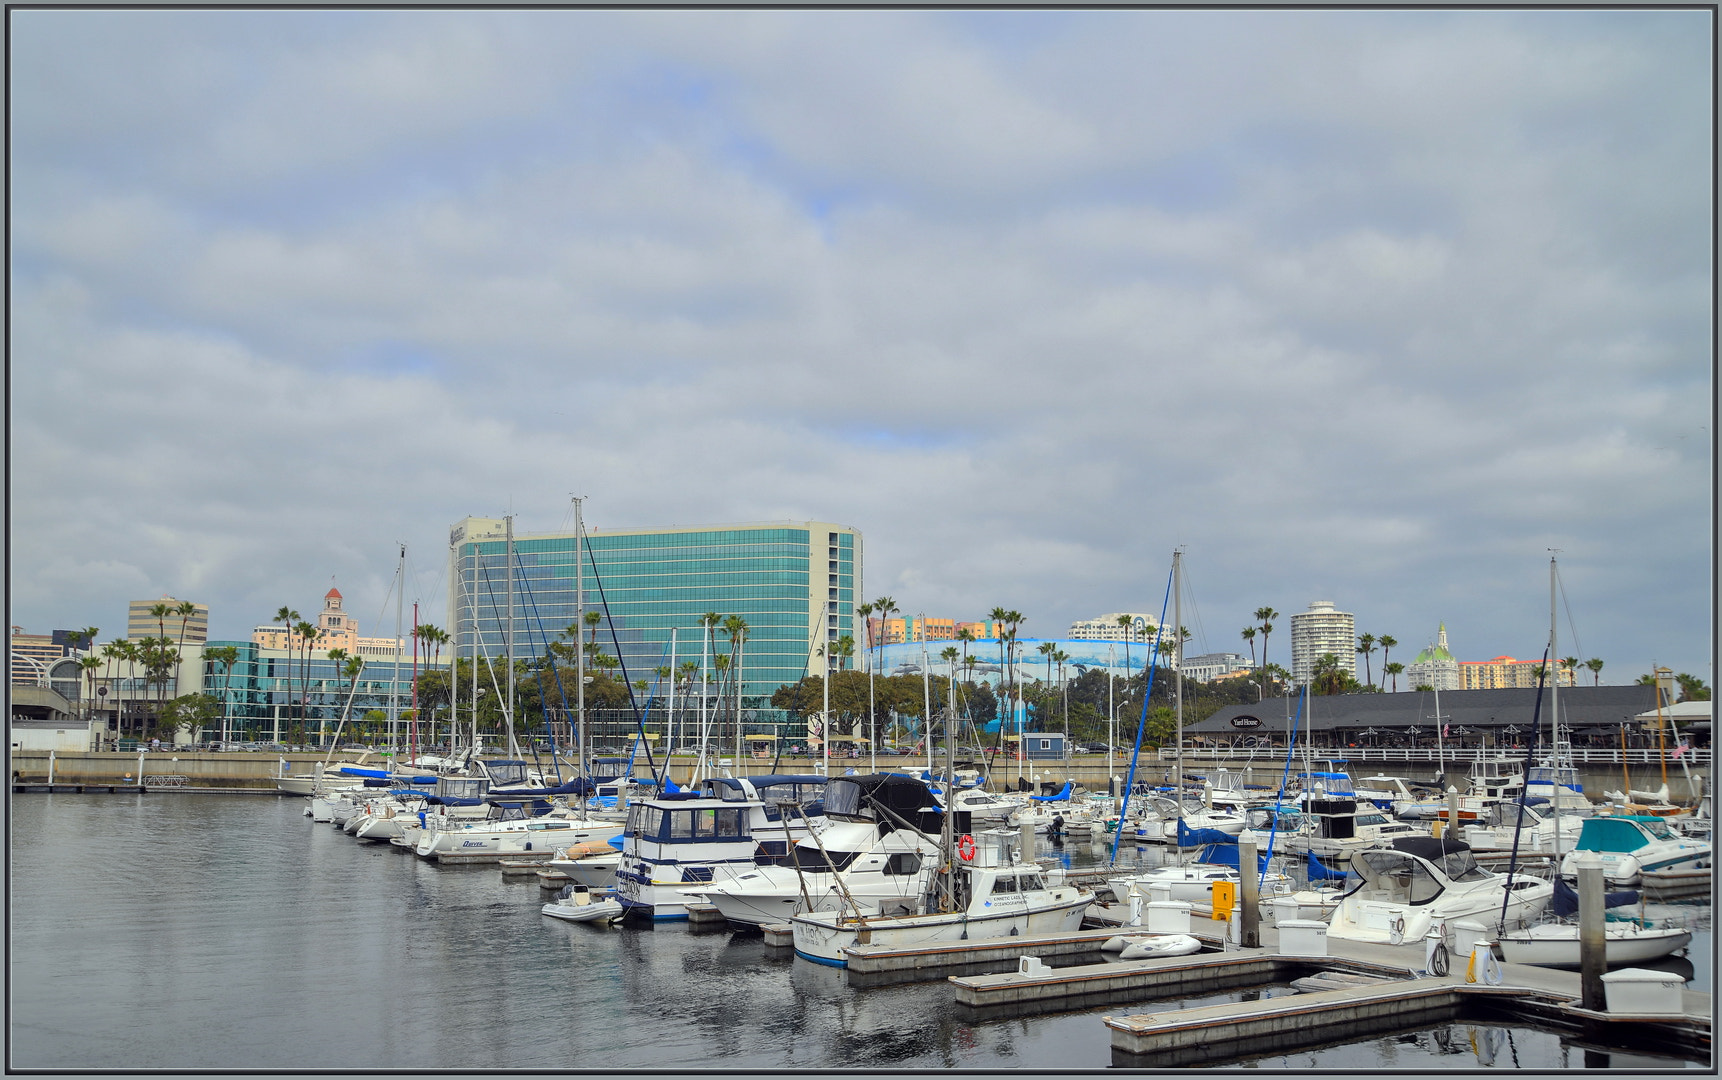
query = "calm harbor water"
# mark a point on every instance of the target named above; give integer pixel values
(176, 932)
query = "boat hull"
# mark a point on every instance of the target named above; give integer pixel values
(1557, 945)
(822, 936)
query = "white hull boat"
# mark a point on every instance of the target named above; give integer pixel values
(580, 905)
(849, 861)
(681, 841)
(1630, 846)
(1557, 944)
(1420, 883)
(1005, 899)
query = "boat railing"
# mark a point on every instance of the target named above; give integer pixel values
(1697, 756)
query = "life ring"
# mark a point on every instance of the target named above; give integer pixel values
(966, 848)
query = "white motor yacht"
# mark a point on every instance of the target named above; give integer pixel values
(1630, 845)
(680, 840)
(1421, 882)
(875, 852)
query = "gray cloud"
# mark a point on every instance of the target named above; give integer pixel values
(1374, 307)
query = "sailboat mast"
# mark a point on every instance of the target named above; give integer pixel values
(1554, 715)
(1178, 665)
(395, 683)
(947, 831)
(670, 725)
(926, 692)
(508, 641)
(824, 697)
(579, 628)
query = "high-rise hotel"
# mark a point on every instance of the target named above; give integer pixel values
(794, 583)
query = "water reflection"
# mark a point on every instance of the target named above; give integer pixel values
(250, 938)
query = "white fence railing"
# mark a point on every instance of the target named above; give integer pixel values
(1646, 757)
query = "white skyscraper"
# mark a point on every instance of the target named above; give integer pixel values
(1322, 629)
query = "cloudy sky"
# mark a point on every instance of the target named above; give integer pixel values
(1370, 307)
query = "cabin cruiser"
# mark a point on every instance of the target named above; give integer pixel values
(994, 896)
(1529, 824)
(683, 839)
(1162, 816)
(1194, 882)
(1559, 784)
(1421, 882)
(1337, 827)
(986, 809)
(1631, 845)
(877, 850)
(511, 827)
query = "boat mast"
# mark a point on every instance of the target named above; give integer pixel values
(949, 830)
(1554, 716)
(508, 643)
(927, 697)
(670, 724)
(395, 682)
(1178, 668)
(824, 696)
(579, 645)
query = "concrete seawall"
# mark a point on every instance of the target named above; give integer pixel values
(259, 769)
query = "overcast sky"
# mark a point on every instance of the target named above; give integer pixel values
(1370, 307)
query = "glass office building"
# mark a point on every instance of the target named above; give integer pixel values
(270, 693)
(793, 583)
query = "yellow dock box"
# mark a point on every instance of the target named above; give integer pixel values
(1225, 896)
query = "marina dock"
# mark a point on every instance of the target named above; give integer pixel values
(1065, 972)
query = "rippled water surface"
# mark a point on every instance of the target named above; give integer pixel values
(173, 931)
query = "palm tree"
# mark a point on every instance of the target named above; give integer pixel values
(1327, 677)
(226, 656)
(1046, 649)
(112, 651)
(308, 635)
(1386, 642)
(1569, 664)
(287, 617)
(845, 651)
(997, 615)
(1266, 615)
(1394, 669)
(866, 613)
(1365, 646)
(1059, 657)
(1692, 688)
(736, 627)
(1249, 635)
(185, 609)
(88, 666)
(1595, 667)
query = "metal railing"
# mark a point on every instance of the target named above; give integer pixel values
(1632, 756)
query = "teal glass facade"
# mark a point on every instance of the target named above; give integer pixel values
(787, 581)
(265, 690)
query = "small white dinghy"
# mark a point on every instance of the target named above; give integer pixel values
(579, 905)
(1143, 946)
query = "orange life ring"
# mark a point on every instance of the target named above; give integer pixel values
(966, 848)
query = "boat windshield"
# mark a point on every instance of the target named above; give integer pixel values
(811, 860)
(1404, 879)
(1462, 866)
